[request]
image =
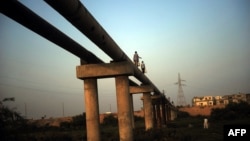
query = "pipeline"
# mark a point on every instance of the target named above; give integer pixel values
(75, 12)
(21, 14)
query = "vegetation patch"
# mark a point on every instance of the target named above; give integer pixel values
(184, 128)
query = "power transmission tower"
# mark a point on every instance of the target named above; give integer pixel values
(181, 101)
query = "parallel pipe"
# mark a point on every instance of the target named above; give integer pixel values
(23, 15)
(75, 12)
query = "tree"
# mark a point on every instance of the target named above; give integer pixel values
(10, 121)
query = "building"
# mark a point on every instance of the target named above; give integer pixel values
(220, 100)
(203, 101)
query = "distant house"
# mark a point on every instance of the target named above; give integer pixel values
(235, 98)
(220, 100)
(203, 101)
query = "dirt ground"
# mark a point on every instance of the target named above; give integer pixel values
(193, 111)
(50, 121)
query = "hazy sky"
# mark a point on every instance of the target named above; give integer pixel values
(206, 41)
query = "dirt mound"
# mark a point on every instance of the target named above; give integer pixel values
(203, 111)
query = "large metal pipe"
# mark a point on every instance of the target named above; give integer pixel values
(75, 12)
(30, 20)
(21, 14)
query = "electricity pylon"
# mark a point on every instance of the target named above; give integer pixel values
(181, 101)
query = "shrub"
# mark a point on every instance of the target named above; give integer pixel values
(231, 111)
(110, 120)
(79, 120)
(181, 114)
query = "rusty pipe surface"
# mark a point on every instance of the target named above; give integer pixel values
(75, 12)
(23, 15)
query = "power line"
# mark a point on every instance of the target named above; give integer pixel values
(38, 90)
(28, 82)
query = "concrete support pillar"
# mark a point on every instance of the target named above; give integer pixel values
(158, 115)
(132, 110)
(169, 113)
(92, 110)
(148, 111)
(124, 108)
(120, 70)
(166, 112)
(163, 113)
(147, 102)
(154, 115)
(172, 114)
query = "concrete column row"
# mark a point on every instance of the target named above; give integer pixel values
(162, 111)
(90, 73)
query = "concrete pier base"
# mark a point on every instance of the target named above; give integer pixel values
(163, 114)
(154, 114)
(124, 108)
(148, 111)
(132, 110)
(92, 114)
(158, 115)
